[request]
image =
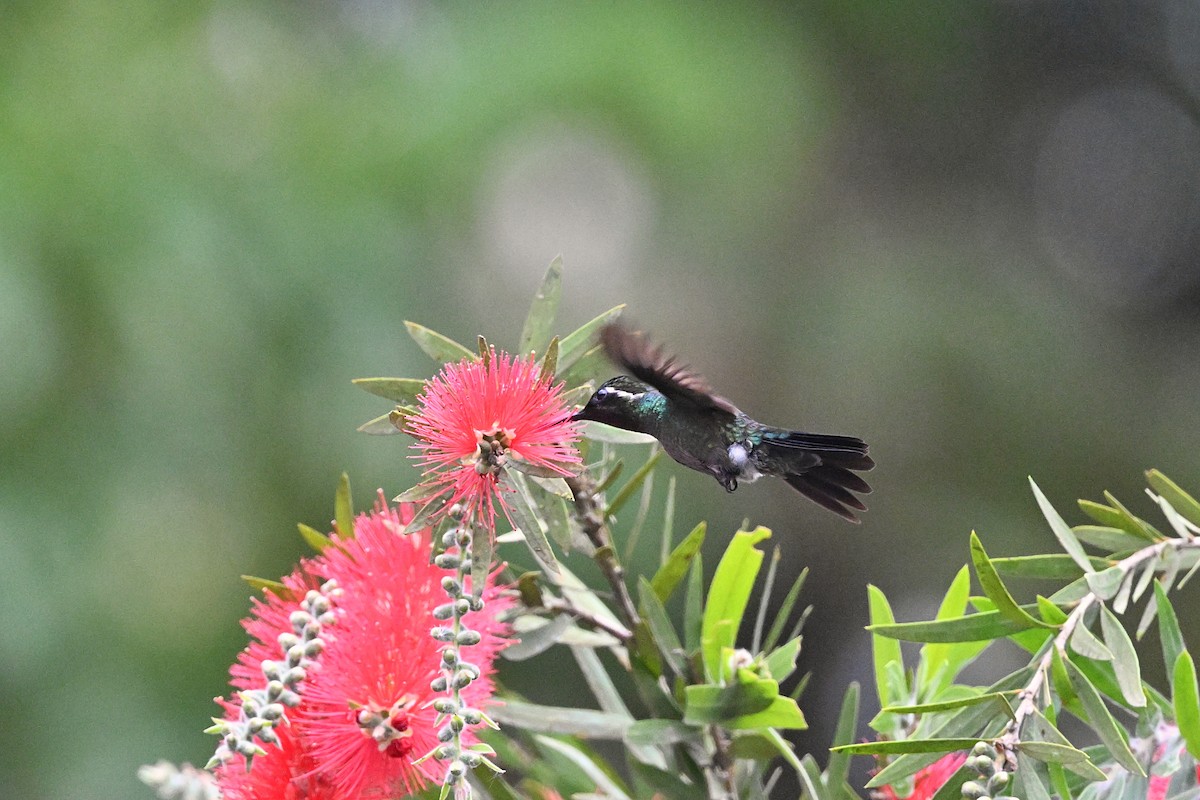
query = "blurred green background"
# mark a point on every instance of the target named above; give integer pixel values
(967, 232)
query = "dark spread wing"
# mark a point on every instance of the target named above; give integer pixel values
(650, 364)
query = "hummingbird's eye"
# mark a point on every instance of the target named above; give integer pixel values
(603, 393)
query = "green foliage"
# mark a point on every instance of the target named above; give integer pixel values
(1083, 661)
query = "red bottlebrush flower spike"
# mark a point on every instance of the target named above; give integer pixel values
(475, 416)
(364, 714)
(930, 779)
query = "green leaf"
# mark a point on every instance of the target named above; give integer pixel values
(1107, 583)
(907, 746)
(996, 590)
(1135, 525)
(784, 611)
(403, 391)
(1053, 751)
(973, 721)
(713, 703)
(728, 595)
(1168, 627)
(1050, 612)
(1054, 566)
(560, 720)
(632, 485)
(577, 343)
(437, 346)
(693, 605)
(1125, 661)
(886, 650)
(541, 312)
(1187, 702)
(584, 372)
(782, 713)
(343, 508)
(1114, 540)
(671, 573)
(1028, 784)
(481, 558)
(314, 538)
(380, 426)
(520, 508)
(1042, 729)
(935, 661)
(781, 663)
(1106, 728)
(838, 769)
(266, 585)
(425, 514)
(549, 361)
(971, 628)
(1181, 501)
(606, 785)
(655, 616)
(952, 788)
(998, 699)
(1084, 642)
(1061, 530)
(422, 491)
(660, 732)
(534, 641)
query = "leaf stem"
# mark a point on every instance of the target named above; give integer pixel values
(590, 514)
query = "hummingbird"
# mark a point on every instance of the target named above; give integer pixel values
(704, 431)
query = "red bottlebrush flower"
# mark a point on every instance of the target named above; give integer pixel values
(475, 415)
(930, 779)
(364, 715)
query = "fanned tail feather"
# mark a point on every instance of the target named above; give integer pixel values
(830, 482)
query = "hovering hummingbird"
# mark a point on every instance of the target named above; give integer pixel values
(708, 433)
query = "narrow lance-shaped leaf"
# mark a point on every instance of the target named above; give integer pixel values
(435, 345)
(549, 361)
(1102, 721)
(1168, 627)
(1181, 501)
(481, 559)
(575, 344)
(728, 595)
(380, 426)
(1114, 540)
(634, 483)
(520, 507)
(764, 600)
(1125, 661)
(907, 746)
(935, 657)
(1084, 642)
(343, 508)
(1187, 702)
(998, 700)
(885, 650)
(984, 626)
(976, 721)
(1138, 526)
(996, 590)
(266, 585)
(1058, 566)
(664, 633)
(399, 390)
(839, 763)
(693, 605)
(314, 538)
(1029, 781)
(672, 571)
(543, 308)
(784, 611)
(1061, 530)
